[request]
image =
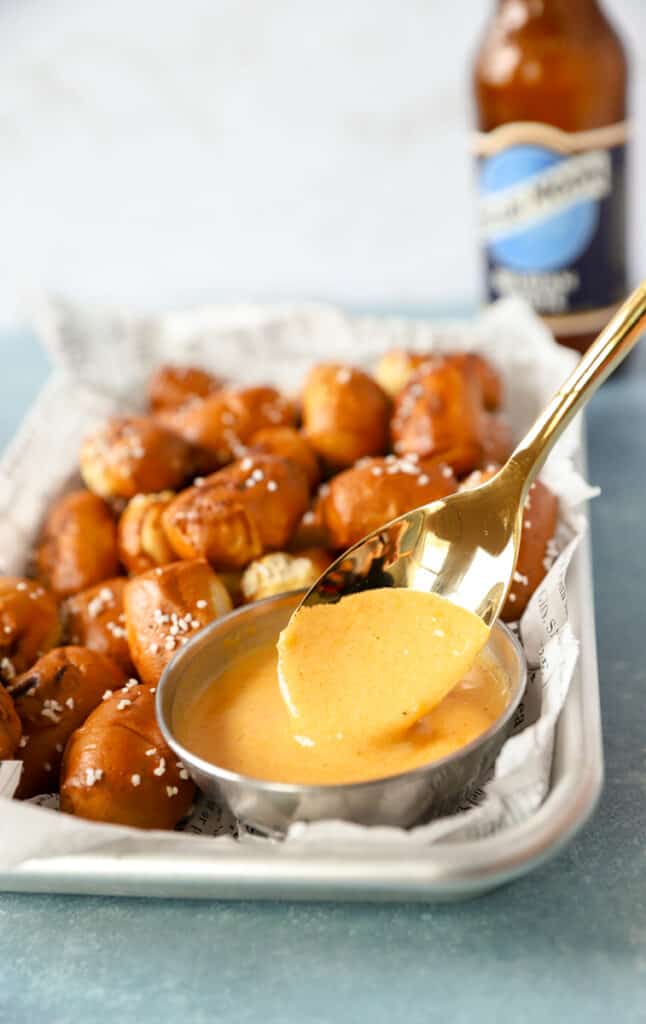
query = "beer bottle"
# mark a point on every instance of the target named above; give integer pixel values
(550, 83)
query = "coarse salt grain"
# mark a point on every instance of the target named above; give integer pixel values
(107, 695)
(135, 779)
(123, 704)
(171, 791)
(423, 479)
(153, 648)
(161, 767)
(7, 669)
(24, 740)
(69, 703)
(512, 597)
(272, 485)
(151, 752)
(21, 586)
(201, 603)
(93, 775)
(527, 525)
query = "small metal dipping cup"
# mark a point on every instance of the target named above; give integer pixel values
(271, 807)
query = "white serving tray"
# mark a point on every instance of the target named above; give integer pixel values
(443, 871)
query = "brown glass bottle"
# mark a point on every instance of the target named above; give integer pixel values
(550, 84)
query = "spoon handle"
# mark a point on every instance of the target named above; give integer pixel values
(604, 355)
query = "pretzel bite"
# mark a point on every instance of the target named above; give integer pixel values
(52, 699)
(78, 544)
(95, 619)
(131, 455)
(440, 413)
(117, 767)
(141, 538)
(395, 369)
(173, 386)
(165, 607)
(345, 414)
(537, 547)
(238, 513)
(497, 440)
(10, 728)
(280, 572)
(290, 444)
(377, 490)
(221, 425)
(29, 625)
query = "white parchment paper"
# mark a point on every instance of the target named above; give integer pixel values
(102, 361)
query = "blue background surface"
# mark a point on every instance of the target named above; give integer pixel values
(567, 943)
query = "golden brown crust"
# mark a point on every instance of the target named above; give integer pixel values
(440, 413)
(345, 414)
(141, 538)
(95, 619)
(221, 426)
(29, 624)
(377, 490)
(238, 513)
(131, 455)
(117, 767)
(78, 544)
(535, 554)
(280, 572)
(172, 386)
(396, 367)
(10, 728)
(52, 699)
(289, 443)
(165, 607)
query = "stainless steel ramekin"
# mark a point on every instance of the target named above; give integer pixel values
(271, 807)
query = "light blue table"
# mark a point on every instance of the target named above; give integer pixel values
(567, 943)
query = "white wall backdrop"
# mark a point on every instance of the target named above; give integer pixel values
(161, 152)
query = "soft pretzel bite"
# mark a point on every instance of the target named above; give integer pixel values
(117, 767)
(29, 624)
(10, 728)
(497, 439)
(165, 607)
(221, 425)
(290, 444)
(172, 386)
(238, 513)
(141, 538)
(280, 572)
(95, 619)
(78, 544)
(345, 414)
(440, 413)
(377, 490)
(536, 550)
(131, 455)
(396, 367)
(52, 699)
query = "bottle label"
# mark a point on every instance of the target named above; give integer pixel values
(552, 218)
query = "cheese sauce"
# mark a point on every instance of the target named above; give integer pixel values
(393, 712)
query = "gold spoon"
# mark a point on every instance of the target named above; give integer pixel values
(464, 547)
